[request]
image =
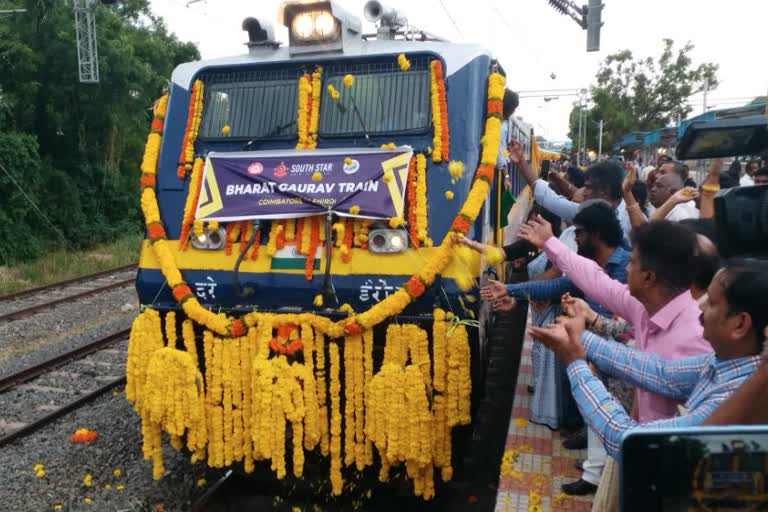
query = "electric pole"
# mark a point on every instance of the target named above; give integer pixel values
(85, 32)
(588, 17)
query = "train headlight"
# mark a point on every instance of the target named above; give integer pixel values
(325, 25)
(387, 240)
(210, 240)
(317, 25)
(303, 26)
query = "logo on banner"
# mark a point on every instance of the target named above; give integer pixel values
(281, 171)
(255, 168)
(352, 167)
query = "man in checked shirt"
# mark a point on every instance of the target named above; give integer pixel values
(733, 321)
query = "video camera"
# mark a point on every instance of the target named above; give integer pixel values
(741, 213)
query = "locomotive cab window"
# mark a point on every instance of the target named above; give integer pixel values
(381, 100)
(250, 109)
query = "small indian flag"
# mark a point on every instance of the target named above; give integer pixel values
(288, 258)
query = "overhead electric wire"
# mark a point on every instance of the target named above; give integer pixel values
(37, 209)
(453, 22)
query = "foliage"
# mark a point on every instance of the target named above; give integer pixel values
(75, 148)
(642, 94)
(58, 265)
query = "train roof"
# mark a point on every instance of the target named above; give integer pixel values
(456, 56)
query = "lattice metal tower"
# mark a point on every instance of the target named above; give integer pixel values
(85, 29)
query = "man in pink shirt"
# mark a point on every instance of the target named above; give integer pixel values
(656, 299)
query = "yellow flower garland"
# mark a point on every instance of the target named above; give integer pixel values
(303, 112)
(314, 118)
(337, 483)
(421, 197)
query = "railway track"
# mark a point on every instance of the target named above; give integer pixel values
(36, 396)
(28, 302)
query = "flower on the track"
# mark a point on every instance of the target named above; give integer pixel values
(88, 480)
(117, 472)
(200, 482)
(88, 500)
(119, 487)
(57, 506)
(39, 470)
(84, 435)
(107, 486)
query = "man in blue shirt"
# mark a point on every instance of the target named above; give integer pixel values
(734, 320)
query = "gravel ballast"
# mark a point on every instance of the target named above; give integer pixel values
(66, 463)
(35, 339)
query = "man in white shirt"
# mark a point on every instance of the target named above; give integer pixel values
(602, 181)
(662, 189)
(749, 174)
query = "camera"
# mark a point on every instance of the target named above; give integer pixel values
(741, 214)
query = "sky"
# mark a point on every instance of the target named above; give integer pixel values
(536, 43)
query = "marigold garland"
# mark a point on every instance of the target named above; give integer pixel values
(190, 206)
(192, 129)
(249, 393)
(440, 135)
(337, 483)
(410, 192)
(421, 197)
(314, 116)
(304, 110)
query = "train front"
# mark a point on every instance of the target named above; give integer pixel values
(300, 287)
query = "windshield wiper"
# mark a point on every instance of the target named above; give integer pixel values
(249, 146)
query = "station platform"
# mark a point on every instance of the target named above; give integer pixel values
(535, 464)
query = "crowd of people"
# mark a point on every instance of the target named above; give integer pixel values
(635, 317)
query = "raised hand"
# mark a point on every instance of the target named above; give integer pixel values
(629, 179)
(684, 195)
(493, 290)
(537, 231)
(515, 152)
(713, 177)
(558, 339)
(575, 307)
(505, 303)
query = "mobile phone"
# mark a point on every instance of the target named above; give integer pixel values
(703, 468)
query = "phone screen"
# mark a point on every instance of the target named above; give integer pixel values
(713, 470)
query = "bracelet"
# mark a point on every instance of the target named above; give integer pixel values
(593, 322)
(710, 188)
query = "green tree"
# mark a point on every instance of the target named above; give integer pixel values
(638, 94)
(80, 144)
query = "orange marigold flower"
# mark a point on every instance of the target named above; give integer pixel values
(485, 172)
(147, 180)
(352, 327)
(237, 328)
(156, 230)
(180, 291)
(84, 435)
(460, 224)
(415, 287)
